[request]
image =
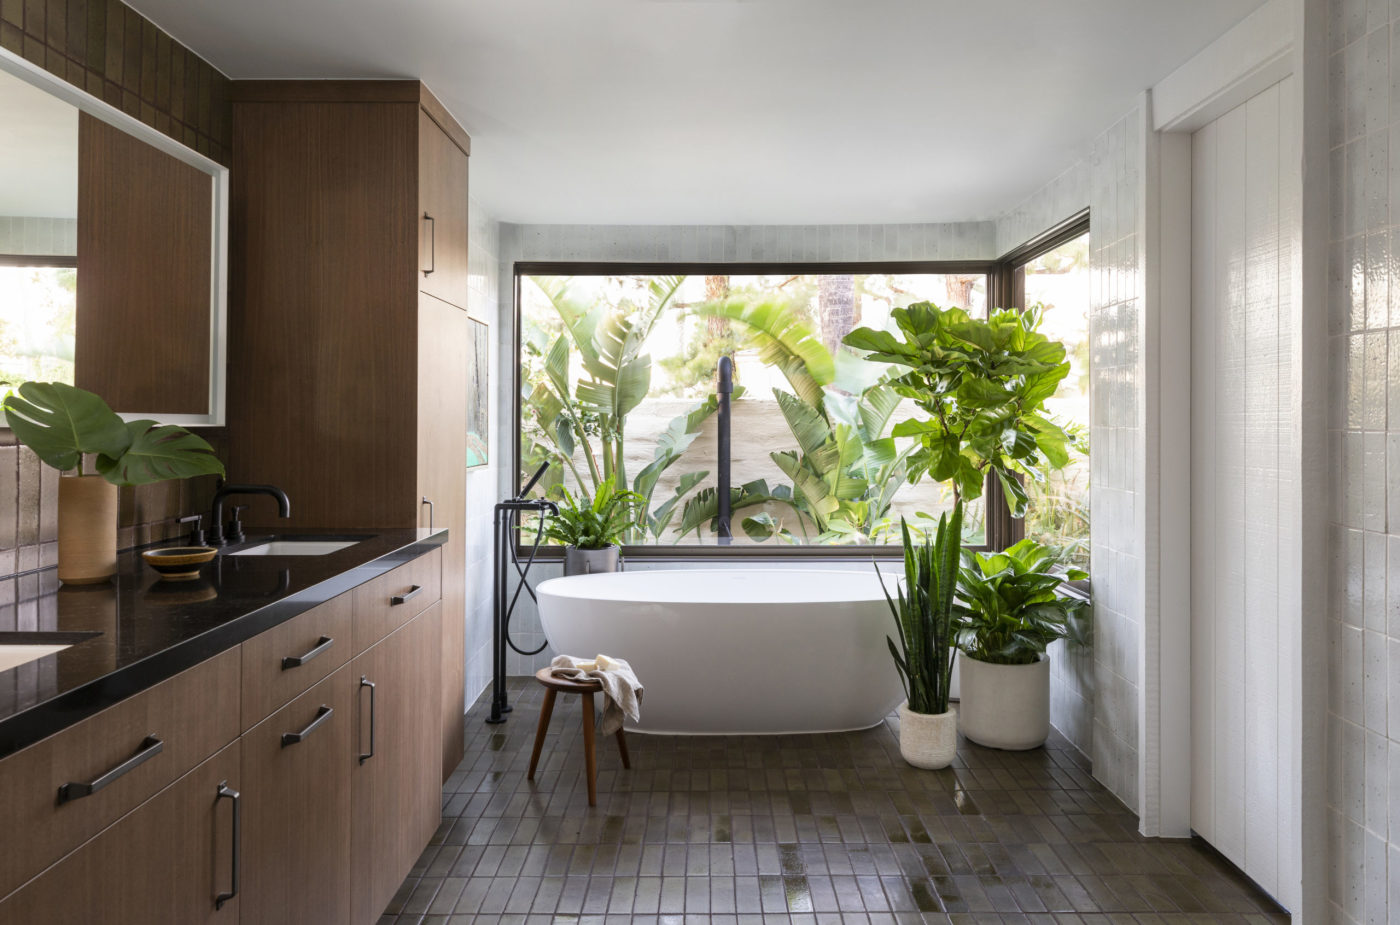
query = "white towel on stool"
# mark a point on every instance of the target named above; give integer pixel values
(622, 692)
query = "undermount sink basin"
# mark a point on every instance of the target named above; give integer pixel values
(296, 547)
(18, 648)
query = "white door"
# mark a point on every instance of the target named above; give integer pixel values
(1241, 438)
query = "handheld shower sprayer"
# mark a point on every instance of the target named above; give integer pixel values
(506, 520)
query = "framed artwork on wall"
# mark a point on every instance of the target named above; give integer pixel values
(479, 393)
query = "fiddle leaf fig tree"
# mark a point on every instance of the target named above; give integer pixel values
(62, 424)
(982, 387)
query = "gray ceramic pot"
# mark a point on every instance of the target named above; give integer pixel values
(590, 561)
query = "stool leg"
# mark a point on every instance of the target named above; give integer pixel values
(546, 709)
(590, 757)
(622, 747)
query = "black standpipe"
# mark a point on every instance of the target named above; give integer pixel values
(506, 514)
(725, 389)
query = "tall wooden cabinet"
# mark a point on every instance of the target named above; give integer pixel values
(347, 334)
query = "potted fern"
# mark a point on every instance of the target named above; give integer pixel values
(65, 426)
(1013, 612)
(590, 529)
(926, 621)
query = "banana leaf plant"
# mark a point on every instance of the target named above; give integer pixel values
(982, 387)
(846, 469)
(582, 425)
(63, 424)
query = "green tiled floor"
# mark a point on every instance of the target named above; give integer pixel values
(799, 829)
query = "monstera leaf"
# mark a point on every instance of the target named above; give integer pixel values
(159, 452)
(60, 423)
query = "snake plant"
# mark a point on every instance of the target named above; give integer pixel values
(927, 615)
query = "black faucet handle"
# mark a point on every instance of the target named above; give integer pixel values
(197, 531)
(234, 530)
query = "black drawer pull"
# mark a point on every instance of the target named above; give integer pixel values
(225, 791)
(366, 682)
(296, 661)
(407, 596)
(73, 790)
(432, 244)
(292, 738)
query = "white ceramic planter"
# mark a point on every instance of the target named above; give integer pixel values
(1005, 706)
(928, 740)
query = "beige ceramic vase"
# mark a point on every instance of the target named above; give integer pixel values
(926, 740)
(87, 530)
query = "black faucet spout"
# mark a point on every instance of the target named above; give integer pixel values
(216, 534)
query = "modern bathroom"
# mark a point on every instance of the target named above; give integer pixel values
(534, 462)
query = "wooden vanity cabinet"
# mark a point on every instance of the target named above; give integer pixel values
(296, 826)
(395, 791)
(336, 327)
(334, 782)
(166, 863)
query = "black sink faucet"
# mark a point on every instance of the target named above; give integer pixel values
(216, 531)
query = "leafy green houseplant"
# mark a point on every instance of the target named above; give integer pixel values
(926, 617)
(1013, 612)
(590, 529)
(63, 425)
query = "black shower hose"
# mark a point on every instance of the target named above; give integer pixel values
(539, 538)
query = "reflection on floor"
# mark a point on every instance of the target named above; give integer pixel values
(800, 829)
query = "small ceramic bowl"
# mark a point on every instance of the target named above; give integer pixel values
(179, 563)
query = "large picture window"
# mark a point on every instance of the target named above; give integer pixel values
(618, 379)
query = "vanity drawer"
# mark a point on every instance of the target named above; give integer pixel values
(391, 600)
(281, 663)
(128, 752)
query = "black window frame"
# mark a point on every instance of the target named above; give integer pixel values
(1011, 280)
(1000, 526)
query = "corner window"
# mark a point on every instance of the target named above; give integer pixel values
(1055, 276)
(618, 375)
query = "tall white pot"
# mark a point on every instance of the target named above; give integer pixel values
(1005, 706)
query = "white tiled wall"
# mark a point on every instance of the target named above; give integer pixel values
(1364, 441)
(50, 237)
(483, 249)
(1094, 695)
(1118, 460)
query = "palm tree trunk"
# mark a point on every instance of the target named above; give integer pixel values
(836, 309)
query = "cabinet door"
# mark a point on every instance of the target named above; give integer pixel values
(296, 852)
(443, 379)
(395, 790)
(165, 863)
(442, 219)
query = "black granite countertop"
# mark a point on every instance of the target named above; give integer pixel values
(142, 630)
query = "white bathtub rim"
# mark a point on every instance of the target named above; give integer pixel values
(577, 587)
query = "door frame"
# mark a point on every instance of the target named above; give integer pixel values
(1282, 38)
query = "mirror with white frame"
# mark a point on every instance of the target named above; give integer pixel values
(113, 253)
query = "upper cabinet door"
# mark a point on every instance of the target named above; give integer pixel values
(442, 219)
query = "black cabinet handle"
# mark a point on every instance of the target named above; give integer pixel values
(407, 596)
(296, 661)
(292, 738)
(430, 512)
(432, 244)
(366, 682)
(73, 790)
(227, 792)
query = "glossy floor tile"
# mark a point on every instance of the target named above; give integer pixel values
(794, 829)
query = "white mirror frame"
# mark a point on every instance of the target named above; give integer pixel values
(32, 74)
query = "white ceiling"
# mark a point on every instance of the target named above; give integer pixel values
(38, 152)
(737, 111)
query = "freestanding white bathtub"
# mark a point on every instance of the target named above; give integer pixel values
(736, 650)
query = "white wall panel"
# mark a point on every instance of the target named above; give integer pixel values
(1242, 435)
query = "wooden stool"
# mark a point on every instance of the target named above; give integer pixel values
(586, 690)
